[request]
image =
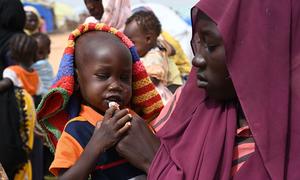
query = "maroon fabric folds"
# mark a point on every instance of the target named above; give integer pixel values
(262, 43)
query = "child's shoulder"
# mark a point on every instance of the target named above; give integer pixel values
(14, 68)
(42, 61)
(19, 70)
(76, 123)
(79, 129)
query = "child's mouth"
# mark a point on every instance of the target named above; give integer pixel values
(116, 99)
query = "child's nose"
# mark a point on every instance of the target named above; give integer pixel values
(115, 85)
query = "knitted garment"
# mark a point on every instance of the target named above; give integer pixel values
(62, 103)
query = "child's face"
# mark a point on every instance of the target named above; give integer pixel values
(43, 49)
(210, 58)
(95, 8)
(142, 41)
(32, 21)
(104, 69)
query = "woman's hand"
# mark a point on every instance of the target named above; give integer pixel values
(140, 145)
(113, 126)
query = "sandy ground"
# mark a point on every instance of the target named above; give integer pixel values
(58, 44)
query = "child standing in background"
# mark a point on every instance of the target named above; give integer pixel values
(23, 51)
(42, 65)
(41, 157)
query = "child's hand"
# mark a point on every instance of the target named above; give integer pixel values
(113, 126)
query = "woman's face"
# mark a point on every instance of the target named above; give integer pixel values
(32, 21)
(210, 58)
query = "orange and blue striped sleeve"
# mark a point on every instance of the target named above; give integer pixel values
(68, 150)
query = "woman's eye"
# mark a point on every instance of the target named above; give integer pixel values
(210, 48)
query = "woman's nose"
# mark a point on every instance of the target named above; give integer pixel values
(199, 62)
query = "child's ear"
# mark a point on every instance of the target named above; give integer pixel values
(149, 39)
(76, 79)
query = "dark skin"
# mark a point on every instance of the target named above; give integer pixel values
(210, 58)
(32, 21)
(207, 43)
(143, 41)
(43, 49)
(95, 8)
(102, 76)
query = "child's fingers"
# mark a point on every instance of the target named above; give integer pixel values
(98, 124)
(121, 122)
(124, 129)
(110, 112)
(119, 114)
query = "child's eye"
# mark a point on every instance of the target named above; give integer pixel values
(125, 78)
(102, 76)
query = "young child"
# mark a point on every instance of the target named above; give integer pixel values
(42, 66)
(143, 28)
(23, 51)
(100, 66)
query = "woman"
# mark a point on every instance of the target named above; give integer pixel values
(33, 20)
(249, 76)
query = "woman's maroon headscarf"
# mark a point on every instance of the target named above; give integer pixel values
(262, 43)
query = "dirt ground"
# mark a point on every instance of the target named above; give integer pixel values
(58, 44)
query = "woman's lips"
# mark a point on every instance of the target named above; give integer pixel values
(201, 81)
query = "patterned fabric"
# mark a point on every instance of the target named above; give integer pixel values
(157, 66)
(62, 103)
(165, 113)
(28, 116)
(244, 144)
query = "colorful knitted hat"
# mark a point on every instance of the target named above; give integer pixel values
(62, 103)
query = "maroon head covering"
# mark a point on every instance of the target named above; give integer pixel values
(262, 44)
